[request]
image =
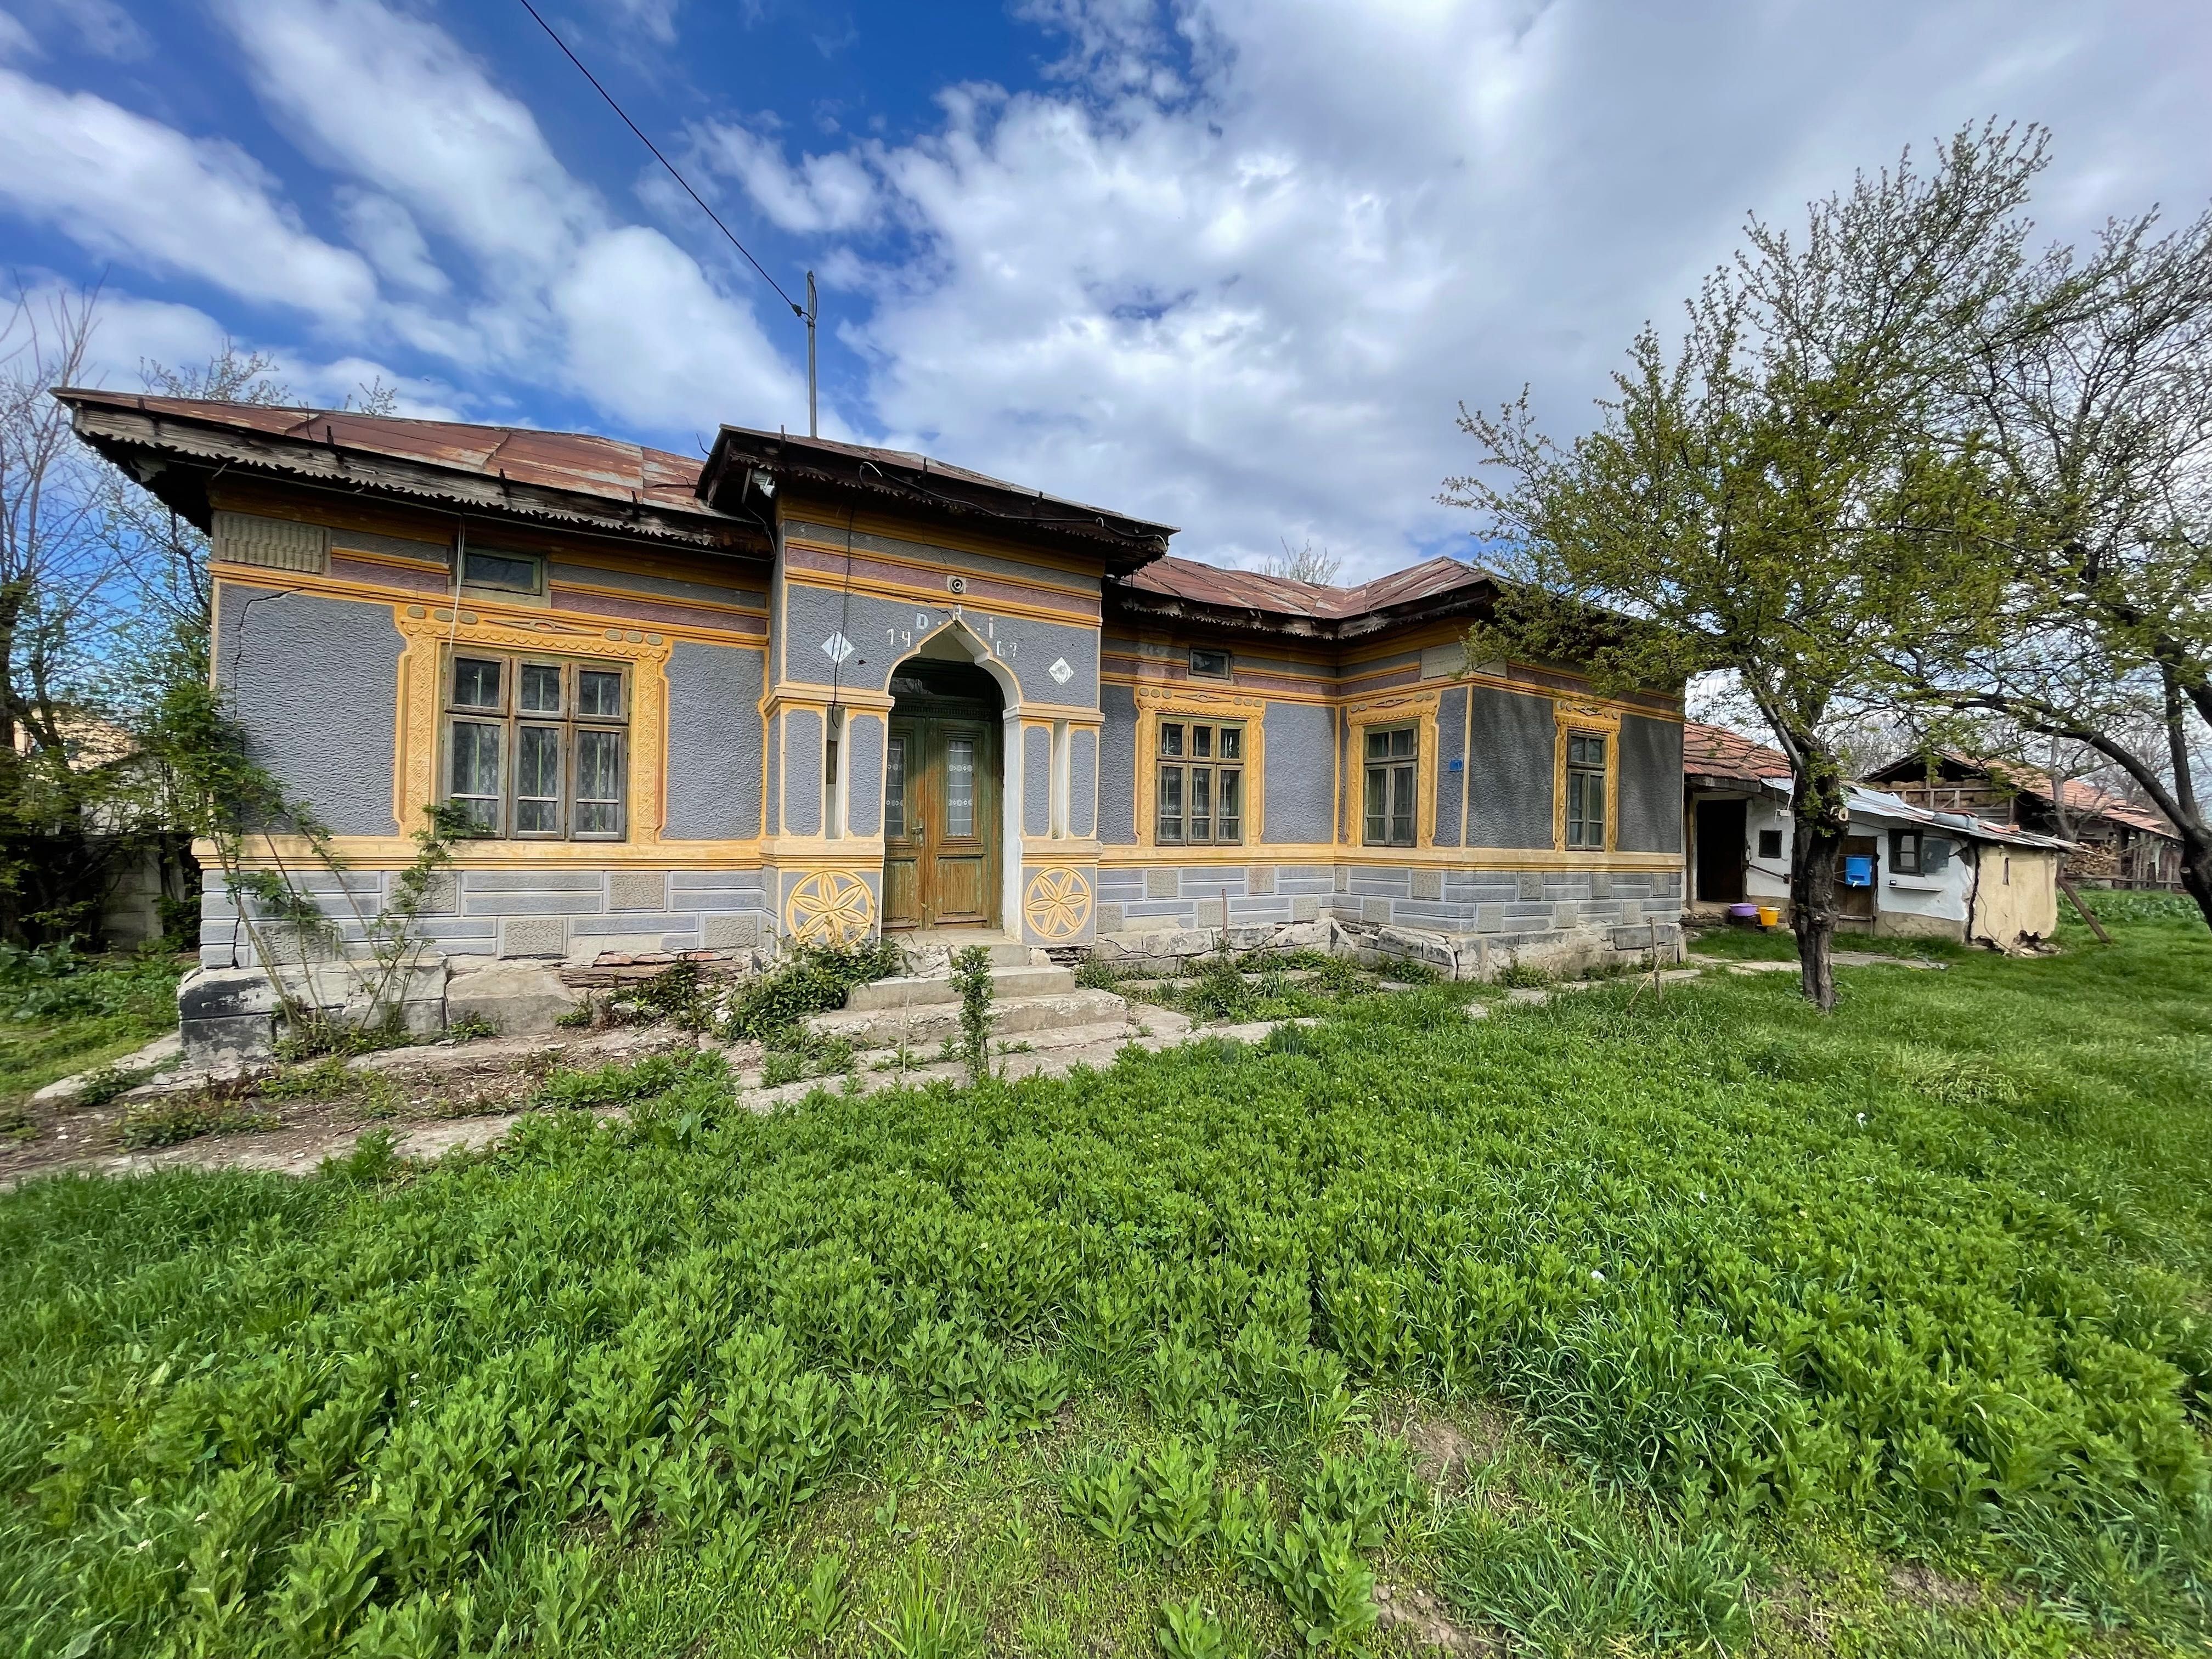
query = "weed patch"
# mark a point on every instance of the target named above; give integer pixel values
(167, 1123)
(1035, 1361)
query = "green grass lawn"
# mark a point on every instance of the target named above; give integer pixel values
(1610, 1326)
(59, 1015)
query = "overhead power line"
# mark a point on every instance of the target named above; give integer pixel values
(797, 309)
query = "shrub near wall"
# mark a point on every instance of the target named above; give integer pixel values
(327, 1408)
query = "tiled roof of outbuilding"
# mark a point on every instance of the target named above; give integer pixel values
(1714, 751)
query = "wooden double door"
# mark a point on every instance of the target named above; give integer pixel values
(941, 821)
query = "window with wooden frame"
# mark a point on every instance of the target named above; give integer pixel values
(1905, 852)
(1200, 799)
(537, 748)
(493, 571)
(1586, 762)
(1391, 793)
(1209, 664)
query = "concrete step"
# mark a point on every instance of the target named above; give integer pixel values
(921, 990)
(928, 1024)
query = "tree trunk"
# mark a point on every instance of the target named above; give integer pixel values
(2196, 867)
(1821, 815)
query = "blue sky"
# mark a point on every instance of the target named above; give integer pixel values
(1227, 263)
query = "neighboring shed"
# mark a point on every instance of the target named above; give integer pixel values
(1908, 870)
(2116, 843)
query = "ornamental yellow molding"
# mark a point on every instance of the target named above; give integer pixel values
(1056, 905)
(1418, 708)
(830, 907)
(1202, 704)
(430, 632)
(1575, 714)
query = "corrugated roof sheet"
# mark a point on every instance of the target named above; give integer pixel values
(1888, 808)
(607, 468)
(1248, 590)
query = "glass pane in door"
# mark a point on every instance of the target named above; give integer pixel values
(894, 790)
(960, 786)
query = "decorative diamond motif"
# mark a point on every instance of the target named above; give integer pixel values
(1060, 673)
(837, 647)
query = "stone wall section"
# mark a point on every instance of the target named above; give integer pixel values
(547, 915)
(1472, 923)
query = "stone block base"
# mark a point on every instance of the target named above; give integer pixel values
(1562, 953)
(231, 1016)
(1165, 948)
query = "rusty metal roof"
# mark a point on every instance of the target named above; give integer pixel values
(919, 484)
(574, 462)
(1264, 596)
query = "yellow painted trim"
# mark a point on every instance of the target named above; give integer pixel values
(1581, 714)
(1386, 858)
(396, 852)
(473, 605)
(836, 549)
(929, 599)
(1068, 849)
(418, 739)
(1056, 901)
(829, 907)
(799, 695)
(822, 852)
(791, 506)
(759, 610)
(366, 556)
(1199, 702)
(1397, 708)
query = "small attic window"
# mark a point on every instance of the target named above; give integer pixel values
(1209, 664)
(507, 573)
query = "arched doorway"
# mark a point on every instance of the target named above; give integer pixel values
(943, 782)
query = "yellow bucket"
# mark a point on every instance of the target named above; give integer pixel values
(1769, 916)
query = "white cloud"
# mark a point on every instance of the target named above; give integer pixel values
(655, 19)
(131, 189)
(387, 234)
(566, 296)
(650, 341)
(394, 101)
(1238, 272)
(832, 192)
(16, 40)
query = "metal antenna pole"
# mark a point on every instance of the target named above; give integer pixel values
(813, 429)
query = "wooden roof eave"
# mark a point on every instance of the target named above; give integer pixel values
(1140, 604)
(130, 437)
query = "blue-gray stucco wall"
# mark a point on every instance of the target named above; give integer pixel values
(1451, 756)
(864, 776)
(1036, 781)
(1650, 786)
(1510, 752)
(774, 771)
(1083, 782)
(1117, 768)
(1299, 804)
(283, 656)
(714, 741)
(802, 754)
(884, 631)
